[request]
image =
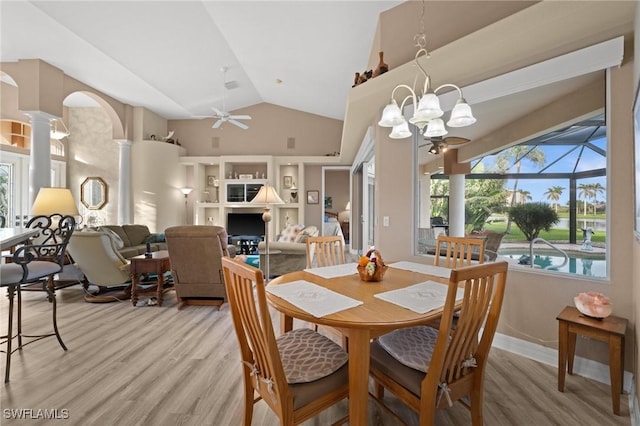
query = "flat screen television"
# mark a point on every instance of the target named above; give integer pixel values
(249, 224)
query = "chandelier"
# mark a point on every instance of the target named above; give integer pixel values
(427, 111)
(58, 130)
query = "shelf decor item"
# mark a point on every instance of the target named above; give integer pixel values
(287, 182)
(371, 266)
(593, 304)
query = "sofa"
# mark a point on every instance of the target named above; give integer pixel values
(131, 240)
(288, 251)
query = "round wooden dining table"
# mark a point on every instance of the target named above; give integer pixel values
(361, 323)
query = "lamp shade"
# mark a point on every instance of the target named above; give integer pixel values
(461, 115)
(54, 200)
(58, 129)
(186, 191)
(267, 195)
(391, 115)
(435, 128)
(429, 107)
(400, 131)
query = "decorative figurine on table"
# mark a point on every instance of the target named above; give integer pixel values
(586, 238)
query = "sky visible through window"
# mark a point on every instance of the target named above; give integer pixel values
(558, 159)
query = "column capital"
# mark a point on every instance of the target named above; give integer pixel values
(40, 116)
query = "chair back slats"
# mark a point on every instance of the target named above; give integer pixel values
(254, 330)
(327, 251)
(458, 252)
(462, 352)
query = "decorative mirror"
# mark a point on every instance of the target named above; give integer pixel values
(93, 193)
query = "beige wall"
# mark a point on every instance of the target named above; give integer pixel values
(93, 152)
(269, 129)
(533, 299)
(336, 186)
(313, 182)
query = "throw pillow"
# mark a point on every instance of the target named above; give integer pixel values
(307, 355)
(115, 238)
(155, 238)
(289, 233)
(412, 346)
(309, 231)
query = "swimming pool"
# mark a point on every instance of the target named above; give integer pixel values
(580, 262)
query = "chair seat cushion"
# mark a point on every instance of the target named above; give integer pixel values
(307, 355)
(412, 346)
(11, 273)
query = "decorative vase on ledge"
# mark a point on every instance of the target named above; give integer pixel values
(382, 67)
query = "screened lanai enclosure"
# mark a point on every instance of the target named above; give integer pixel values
(565, 169)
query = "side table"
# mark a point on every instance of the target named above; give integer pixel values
(158, 263)
(610, 330)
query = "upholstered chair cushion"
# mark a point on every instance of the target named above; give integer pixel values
(309, 231)
(118, 230)
(307, 355)
(289, 233)
(11, 273)
(117, 241)
(411, 346)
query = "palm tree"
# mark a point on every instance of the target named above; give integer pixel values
(596, 188)
(525, 196)
(585, 191)
(513, 157)
(554, 194)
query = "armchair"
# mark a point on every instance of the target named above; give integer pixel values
(102, 265)
(196, 263)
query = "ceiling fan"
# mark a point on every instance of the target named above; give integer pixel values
(222, 115)
(440, 145)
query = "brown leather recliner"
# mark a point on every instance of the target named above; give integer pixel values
(196, 253)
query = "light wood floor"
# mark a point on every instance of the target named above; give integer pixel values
(160, 366)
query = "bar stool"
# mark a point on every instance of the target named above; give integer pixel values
(33, 263)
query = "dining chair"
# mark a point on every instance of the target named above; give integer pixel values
(430, 368)
(298, 374)
(455, 252)
(325, 250)
(35, 263)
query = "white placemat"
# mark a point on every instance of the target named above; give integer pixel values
(334, 271)
(312, 298)
(420, 298)
(421, 268)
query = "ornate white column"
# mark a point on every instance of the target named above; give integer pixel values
(40, 158)
(124, 183)
(456, 205)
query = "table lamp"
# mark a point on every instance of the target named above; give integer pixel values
(267, 196)
(54, 200)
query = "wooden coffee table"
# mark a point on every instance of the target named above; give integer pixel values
(158, 263)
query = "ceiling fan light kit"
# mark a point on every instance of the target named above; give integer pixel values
(427, 110)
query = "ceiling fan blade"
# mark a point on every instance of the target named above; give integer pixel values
(217, 124)
(239, 124)
(241, 117)
(217, 111)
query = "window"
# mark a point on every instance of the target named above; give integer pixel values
(566, 169)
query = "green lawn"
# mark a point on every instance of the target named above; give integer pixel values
(555, 234)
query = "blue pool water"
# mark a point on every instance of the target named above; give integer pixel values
(580, 263)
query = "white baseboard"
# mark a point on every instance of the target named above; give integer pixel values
(581, 366)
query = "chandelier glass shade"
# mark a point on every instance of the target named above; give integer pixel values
(58, 130)
(427, 110)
